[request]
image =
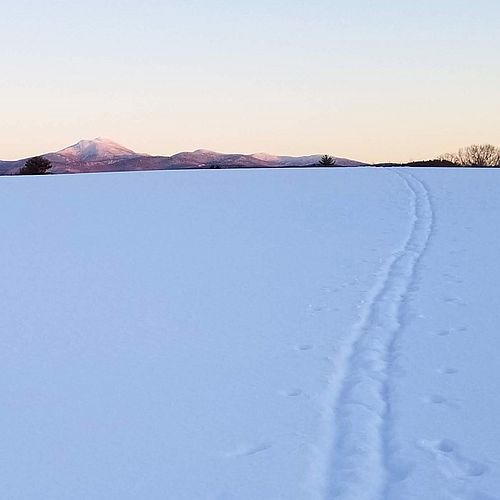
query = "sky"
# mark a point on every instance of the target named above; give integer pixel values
(373, 80)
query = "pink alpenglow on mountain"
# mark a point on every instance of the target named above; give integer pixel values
(105, 155)
(96, 150)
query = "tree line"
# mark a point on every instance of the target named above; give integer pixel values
(478, 155)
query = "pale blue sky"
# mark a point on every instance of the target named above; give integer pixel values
(372, 80)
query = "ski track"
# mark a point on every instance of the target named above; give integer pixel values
(359, 462)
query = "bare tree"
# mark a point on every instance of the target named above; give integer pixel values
(478, 155)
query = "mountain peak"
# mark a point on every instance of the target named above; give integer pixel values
(97, 149)
(205, 151)
(265, 157)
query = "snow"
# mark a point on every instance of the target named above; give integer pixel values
(251, 334)
(265, 157)
(96, 149)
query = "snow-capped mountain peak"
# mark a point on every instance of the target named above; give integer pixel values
(205, 151)
(96, 149)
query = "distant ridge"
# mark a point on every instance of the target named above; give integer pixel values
(104, 155)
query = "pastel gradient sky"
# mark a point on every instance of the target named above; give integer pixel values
(374, 80)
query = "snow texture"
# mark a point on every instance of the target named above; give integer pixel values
(251, 334)
(95, 150)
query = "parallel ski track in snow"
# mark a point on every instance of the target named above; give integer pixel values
(359, 463)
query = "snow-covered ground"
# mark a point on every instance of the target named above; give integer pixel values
(250, 334)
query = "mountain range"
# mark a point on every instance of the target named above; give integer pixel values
(105, 155)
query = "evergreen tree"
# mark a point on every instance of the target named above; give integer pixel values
(327, 161)
(36, 166)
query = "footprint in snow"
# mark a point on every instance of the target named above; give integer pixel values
(452, 278)
(314, 309)
(445, 333)
(436, 399)
(249, 450)
(451, 462)
(292, 393)
(447, 371)
(440, 400)
(303, 347)
(455, 301)
(450, 331)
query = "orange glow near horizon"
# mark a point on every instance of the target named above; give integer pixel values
(371, 81)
